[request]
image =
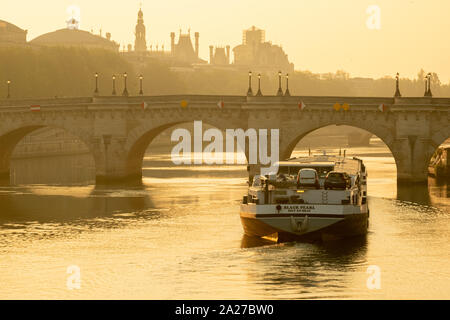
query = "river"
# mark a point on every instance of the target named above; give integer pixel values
(179, 237)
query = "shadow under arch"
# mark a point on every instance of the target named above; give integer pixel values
(142, 137)
(10, 139)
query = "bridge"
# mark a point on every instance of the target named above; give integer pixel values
(118, 130)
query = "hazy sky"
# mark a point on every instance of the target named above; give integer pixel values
(318, 35)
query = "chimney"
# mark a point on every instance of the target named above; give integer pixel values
(108, 36)
(197, 35)
(172, 42)
(211, 54)
(228, 54)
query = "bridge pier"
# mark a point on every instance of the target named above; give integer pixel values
(412, 155)
(114, 164)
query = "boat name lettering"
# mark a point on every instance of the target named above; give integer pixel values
(295, 209)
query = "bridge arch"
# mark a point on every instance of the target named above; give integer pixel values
(140, 138)
(11, 136)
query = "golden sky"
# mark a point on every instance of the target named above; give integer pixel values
(318, 35)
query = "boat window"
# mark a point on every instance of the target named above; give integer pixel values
(256, 182)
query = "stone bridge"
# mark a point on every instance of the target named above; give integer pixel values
(118, 130)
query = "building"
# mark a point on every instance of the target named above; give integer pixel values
(184, 51)
(11, 35)
(258, 55)
(219, 55)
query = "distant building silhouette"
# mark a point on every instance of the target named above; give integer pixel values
(256, 54)
(184, 51)
(219, 55)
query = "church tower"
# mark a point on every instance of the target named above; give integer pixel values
(140, 44)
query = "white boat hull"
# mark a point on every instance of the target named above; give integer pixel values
(304, 221)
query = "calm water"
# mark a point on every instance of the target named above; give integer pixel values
(179, 237)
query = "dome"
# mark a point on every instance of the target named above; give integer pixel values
(5, 26)
(74, 37)
(10, 33)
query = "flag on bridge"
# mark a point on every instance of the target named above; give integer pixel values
(221, 104)
(144, 105)
(382, 107)
(301, 105)
(35, 108)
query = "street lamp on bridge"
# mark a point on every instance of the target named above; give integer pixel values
(397, 87)
(8, 83)
(280, 91)
(96, 84)
(287, 93)
(259, 93)
(141, 92)
(428, 91)
(114, 85)
(125, 89)
(249, 91)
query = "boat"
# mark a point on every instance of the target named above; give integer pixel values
(284, 206)
(439, 166)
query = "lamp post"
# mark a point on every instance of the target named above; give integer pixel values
(287, 93)
(141, 92)
(249, 91)
(429, 94)
(8, 85)
(125, 89)
(280, 91)
(114, 84)
(426, 86)
(96, 84)
(397, 87)
(259, 93)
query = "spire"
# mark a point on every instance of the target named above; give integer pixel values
(140, 44)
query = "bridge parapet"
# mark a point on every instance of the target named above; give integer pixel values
(244, 100)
